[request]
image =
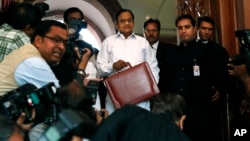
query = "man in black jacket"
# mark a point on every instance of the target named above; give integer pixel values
(152, 29)
(206, 27)
(192, 70)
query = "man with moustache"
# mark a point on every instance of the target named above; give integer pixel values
(30, 63)
(122, 49)
(152, 28)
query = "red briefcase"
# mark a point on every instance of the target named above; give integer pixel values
(132, 85)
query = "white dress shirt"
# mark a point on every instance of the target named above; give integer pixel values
(134, 49)
(154, 47)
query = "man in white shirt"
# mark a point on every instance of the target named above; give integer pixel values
(151, 29)
(122, 49)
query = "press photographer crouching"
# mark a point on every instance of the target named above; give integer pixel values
(30, 64)
(240, 69)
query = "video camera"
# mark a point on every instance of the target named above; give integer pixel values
(69, 123)
(244, 56)
(74, 28)
(25, 99)
(244, 39)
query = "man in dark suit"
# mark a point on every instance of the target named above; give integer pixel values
(152, 29)
(192, 69)
(206, 27)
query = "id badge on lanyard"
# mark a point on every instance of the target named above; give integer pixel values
(196, 69)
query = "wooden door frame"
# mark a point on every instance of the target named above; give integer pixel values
(226, 16)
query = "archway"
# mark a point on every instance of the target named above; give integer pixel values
(99, 19)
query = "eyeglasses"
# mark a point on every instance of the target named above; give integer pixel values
(57, 40)
(126, 20)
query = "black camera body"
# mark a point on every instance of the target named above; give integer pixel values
(25, 99)
(244, 39)
(92, 90)
(74, 28)
(244, 56)
(69, 123)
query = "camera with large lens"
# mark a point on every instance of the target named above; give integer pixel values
(27, 98)
(74, 28)
(244, 39)
(244, 56)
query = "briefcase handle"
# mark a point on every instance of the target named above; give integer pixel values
(129, 66)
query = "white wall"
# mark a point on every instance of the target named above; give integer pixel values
(164, 10)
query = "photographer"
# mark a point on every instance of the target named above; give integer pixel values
(77, 101)
(239, 67)
(241, 102)
(78, 52)
(30, 63)
(73, 17)
(240, 71)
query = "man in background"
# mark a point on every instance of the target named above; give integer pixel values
(74, 17)
(18, 26)
(206, 27)
(152, 28)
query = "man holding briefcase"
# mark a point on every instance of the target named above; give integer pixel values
(122, 49)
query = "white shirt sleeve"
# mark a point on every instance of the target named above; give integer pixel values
(104, 60)
(36, 71)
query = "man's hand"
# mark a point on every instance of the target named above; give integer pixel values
(21, 119)
(245, 106)
(239, 71)
(86, 81)
(120, 64)
(84, 58)
(100, 115)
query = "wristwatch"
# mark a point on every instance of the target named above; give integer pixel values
(81, 72)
